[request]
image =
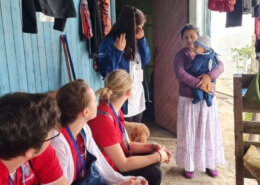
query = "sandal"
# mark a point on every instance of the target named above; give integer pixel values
(212, 173)
(188, 175)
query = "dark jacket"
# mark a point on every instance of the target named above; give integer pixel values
(234, 18)
(110, 58)
(200, 64)
(60, 9)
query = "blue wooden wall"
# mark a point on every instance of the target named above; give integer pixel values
(35, 62)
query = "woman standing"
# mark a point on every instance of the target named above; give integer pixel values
(199, 134)
(110, 135)
(74, 146)
(125, 47)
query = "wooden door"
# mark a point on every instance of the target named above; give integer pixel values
(168, 19)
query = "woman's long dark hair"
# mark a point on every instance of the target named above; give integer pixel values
(127, 21)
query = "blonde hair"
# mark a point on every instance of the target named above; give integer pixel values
(116, 84)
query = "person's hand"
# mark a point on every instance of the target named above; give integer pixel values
(209, 88)
(205, 84)
(157, 147)
(164, 155)
(139, 33)
(120, 42)
(144, 182)
(169, 156)
(133, 181)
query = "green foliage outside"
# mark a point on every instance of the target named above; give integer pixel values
(242, 55)
(248, 116)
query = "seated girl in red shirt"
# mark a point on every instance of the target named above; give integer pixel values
(75, 147)
(109, 133)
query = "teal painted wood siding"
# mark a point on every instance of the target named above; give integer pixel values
(35, 62)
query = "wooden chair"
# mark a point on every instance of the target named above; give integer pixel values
(252, 127)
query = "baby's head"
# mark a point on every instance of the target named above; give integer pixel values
(202, 44)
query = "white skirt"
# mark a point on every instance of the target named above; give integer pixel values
(199, 139)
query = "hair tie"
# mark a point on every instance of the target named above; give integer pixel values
(108, 88)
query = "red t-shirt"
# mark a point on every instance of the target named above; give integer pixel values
(44, 169)
(105, 131)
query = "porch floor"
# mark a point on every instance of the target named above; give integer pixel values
(172, 174)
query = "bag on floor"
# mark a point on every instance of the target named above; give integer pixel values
(252, 94)
(252, 161)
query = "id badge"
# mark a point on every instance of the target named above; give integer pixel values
(138, 75)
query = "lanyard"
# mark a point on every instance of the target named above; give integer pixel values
(83, 135)
(11, 181)
(80, 159)
(121, 128)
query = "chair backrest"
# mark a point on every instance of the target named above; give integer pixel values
(241, 81)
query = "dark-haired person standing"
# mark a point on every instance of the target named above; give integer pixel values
(125, 47)
(26, 128)
(199, 139)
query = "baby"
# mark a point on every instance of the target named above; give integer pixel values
(204, 61)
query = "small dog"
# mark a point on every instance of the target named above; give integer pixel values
(137, 132)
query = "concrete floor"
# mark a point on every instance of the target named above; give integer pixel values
(172, 174)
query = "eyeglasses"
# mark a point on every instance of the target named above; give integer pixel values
(52, 137)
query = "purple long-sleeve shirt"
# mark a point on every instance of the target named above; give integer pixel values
(186, 81)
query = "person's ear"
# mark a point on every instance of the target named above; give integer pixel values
(129, 92)
(85, 112)
(29, 153)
